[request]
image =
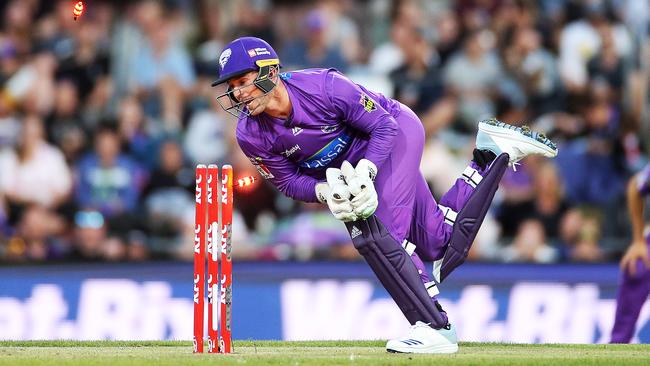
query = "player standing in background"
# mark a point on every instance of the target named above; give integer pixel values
(317, 136)
(635, 265)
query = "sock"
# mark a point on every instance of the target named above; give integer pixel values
(483, 157)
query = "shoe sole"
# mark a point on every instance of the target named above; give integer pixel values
(448, 348)
(511, 134)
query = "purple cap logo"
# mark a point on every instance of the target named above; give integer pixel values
(225, 56)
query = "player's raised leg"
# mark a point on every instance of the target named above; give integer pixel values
(509, 144)
(463, 208)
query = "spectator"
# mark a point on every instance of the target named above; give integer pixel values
(530, 245)
(607, 65)
(32, 86)
(590, 167)
(210, 41)
(5, 229)
(586, 248)
(387, 56)
(18, 17)
(517, 191)
(169, 198)
(89, 235)
(254, 19)
(162, 70)
(87, 66)
(550, 205)
(133, 128)
(535, 70)
(64, 126)
(312, 50)
(35, 172)
(108, 180)
(39, 235)
(341, 32)
(9, 125)
(417, 81)
(580, 41)
(207, 137)
(472, 76)
(448, 35)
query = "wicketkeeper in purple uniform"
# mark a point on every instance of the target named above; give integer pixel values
(317, 136)
(635, 265)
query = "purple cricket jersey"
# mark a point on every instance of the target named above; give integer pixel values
(333, 119)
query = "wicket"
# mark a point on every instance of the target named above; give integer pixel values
(213, 234)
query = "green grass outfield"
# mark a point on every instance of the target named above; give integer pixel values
(262, 353)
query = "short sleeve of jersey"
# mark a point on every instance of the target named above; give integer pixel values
(643, 180)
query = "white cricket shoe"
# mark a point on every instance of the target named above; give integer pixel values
(424, 339)
(518, 142)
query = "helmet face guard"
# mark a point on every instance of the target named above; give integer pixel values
(229, 102)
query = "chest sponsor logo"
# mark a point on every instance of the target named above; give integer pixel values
(368, 104)
(328, 153)
(296, 131)
(290, 151)
(328, 128)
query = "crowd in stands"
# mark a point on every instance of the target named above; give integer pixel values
(103, 119)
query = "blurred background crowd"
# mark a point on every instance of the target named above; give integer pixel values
(103, 119)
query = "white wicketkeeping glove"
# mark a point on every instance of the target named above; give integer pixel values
(337, 195)
(361, 185)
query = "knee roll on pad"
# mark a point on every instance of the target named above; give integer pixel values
(395, 270)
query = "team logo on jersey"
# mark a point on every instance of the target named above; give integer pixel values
(261, 168)
(225, 56)
(285, 75)
(296, 131)
(368, 104)
(290, 151)
(328, 128)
